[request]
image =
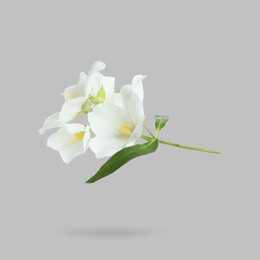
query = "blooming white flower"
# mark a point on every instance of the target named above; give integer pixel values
(70, 141)
(116, 126)
(50, 122)
(94, 86)
(77, 90)
(98, 87)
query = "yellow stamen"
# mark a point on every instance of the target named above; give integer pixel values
(73, 95)
(78, 136)
(125, 130)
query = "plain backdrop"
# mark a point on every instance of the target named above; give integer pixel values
(202, 63)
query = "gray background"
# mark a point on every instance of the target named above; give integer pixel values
(202, 62)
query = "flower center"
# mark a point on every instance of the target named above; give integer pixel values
(78, 136)
(125, 130)
(73, 95)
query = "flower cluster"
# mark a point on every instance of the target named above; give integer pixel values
(112, 120)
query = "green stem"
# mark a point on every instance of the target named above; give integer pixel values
(189, 147)
(146, 128)
(157, 132)
(145, 137)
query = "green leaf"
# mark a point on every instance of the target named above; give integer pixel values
(160, 122)
(122, 157)
(101, 95)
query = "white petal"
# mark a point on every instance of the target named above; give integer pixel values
(51, 122)
(132, 104)
(97, 66)
(71, 109)
(57, 139)
(66, 145)
(106, 118)
(75, 128)
(109, 85)
(93, 84)
(115, 99)
(70, 150)
(137, 131)
(76, 90)
(137, 86)
(96, 81)
(82, 80)
(70, 92)
(104, 146)
(86, 138)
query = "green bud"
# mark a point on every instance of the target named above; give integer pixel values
(93, 100)
(101, 95)
(86, 108)
(100, 98)
(160, 122)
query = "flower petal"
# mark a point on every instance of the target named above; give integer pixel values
(115, 99)
(75, 128)
(86, 138)
(58, 138)
(93, 84)
(71, 109)
(50, 122)
(76, 90)
(137, 85)
(70, 150)
(104, 146)
(109, 85)
(106, 118)
(137, 131)
(66, 145)
(96, 81)
(78, 128)
(82, 80)
(97, 66)
(132, 104)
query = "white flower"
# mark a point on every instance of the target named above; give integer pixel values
(98, 87)
(94, 86)
(76, 90)
(116, 126)
(50, 122)
(70, 141)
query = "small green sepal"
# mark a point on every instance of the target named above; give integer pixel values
(160, 122)
(101, 96)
